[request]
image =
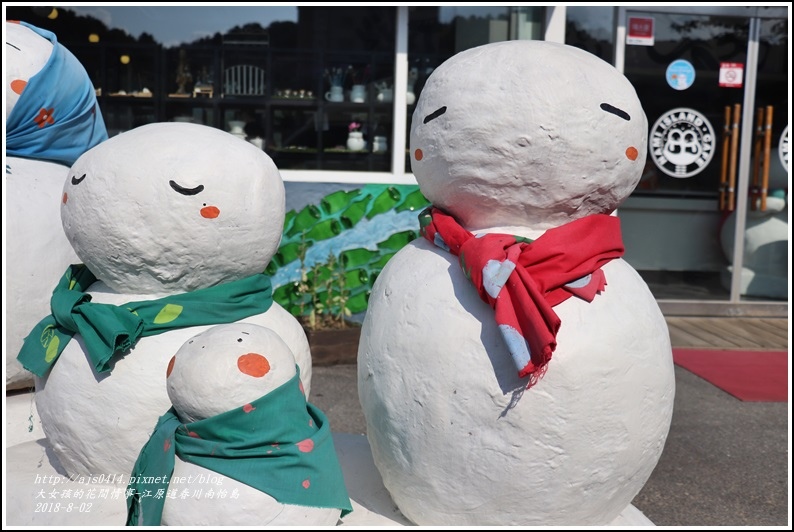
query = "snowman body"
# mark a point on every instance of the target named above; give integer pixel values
(516, 137)
(39, 251)
(227, 367)
(36, 256)
(162, 209)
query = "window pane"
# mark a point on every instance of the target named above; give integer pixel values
(436, 33)
(591, 28)
(262, 66)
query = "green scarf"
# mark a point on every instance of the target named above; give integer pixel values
(279, 444)
(109, 329)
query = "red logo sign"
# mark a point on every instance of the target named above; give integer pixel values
(640, 31)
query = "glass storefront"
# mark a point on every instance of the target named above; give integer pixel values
(714, 194)
(708, 223)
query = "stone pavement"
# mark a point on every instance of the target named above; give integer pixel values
(725, 463)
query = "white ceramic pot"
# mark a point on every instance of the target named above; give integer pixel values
(355, 141)
(336, 94)
(236, 128)
(379, 144)
(358, 94)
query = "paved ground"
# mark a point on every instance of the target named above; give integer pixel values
(725, 462)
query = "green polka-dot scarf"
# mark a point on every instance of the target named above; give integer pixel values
(110, 329)
(279, 444)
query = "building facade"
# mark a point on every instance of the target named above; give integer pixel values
(328, 93)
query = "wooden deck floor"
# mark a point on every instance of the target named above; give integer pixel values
(729, 333)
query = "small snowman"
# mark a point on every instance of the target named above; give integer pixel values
(52, 117)
(513, 369)
(174, 224)
(240, 445)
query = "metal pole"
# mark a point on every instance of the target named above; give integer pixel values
(746, 144)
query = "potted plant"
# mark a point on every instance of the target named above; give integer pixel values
(324, 293)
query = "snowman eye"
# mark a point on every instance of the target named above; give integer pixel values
(185, 191)
(435, 114)
(78, 180)
(615, 111)
(12, 46)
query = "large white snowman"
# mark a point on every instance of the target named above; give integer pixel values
(175, 223)
(51, 118)
(223, 383)
(510, 142)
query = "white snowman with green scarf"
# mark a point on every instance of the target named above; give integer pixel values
(174, 224)
(513, 370)
(241, 443)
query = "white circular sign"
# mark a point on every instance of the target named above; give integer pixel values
(782, 148)
(681, 142)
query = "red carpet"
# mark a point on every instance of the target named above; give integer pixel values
(747, 375)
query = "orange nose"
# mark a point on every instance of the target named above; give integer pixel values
(632, 153)
(210, 212)
(253, 364)
(418, 154)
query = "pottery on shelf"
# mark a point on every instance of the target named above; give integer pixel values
(355, 141)
(336, 94)
(386, 95)
(379, 144)
(410, 96)
(236, 128)
(358, 94)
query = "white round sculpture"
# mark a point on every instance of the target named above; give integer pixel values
(37, 251)
(26, 54)
(160, 210)
(765, 265)
(765, 271)
(223, 368)
(517, 138)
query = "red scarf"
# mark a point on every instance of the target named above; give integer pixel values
(522, 279)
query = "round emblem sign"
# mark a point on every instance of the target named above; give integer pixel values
(681, 142)
(782, 149)
(680, 74)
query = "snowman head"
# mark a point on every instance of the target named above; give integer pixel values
(227, 367)
(173, 207)
(527, 133)
(26, 54)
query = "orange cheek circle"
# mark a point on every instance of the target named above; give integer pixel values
(253, 364)
(632, 153)
(170, 366)
(418, 154)
(210, 212)
(18, 85)
(65, 197)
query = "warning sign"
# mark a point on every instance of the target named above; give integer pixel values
(640, 31)
(731, 74)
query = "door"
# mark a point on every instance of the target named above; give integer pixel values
(708, 220)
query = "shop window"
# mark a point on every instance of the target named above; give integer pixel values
(591, 28)
(259, 72)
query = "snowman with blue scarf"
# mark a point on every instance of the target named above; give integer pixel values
(52, 117)
(513, 369)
